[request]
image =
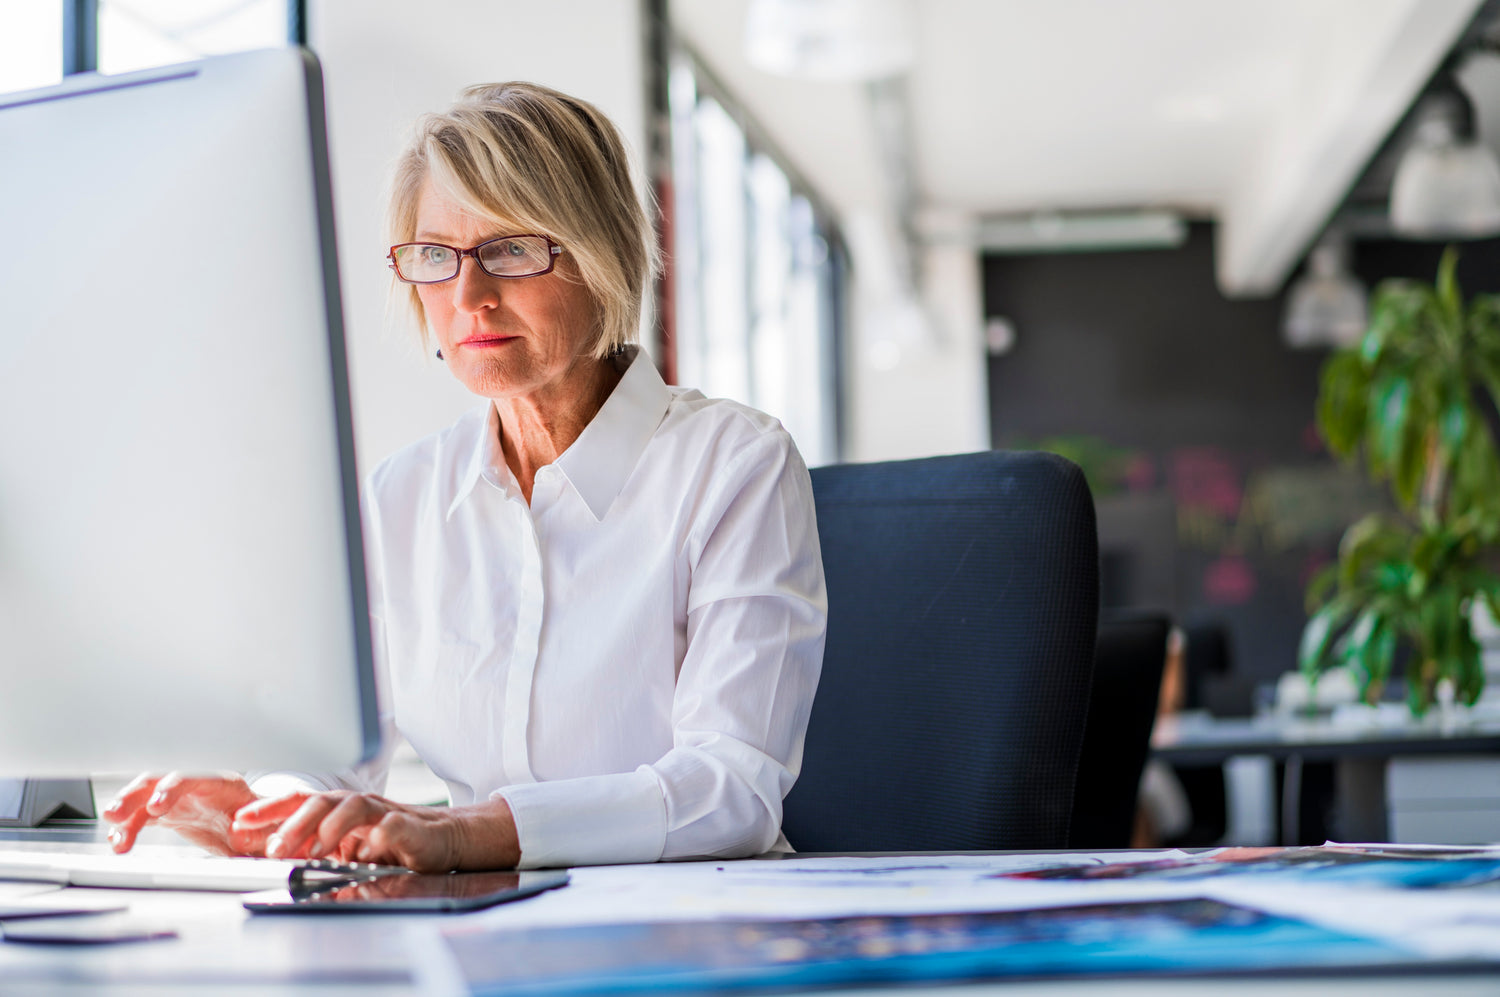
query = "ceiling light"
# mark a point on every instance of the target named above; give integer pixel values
(999, 335)
(848, 40)
(1080, 231)
(1326, 305)
(1447, 184)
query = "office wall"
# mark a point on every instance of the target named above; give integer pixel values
(914, 374)
(387, 61)
(1198, 420)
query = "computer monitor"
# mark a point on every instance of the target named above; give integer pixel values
(181, 576)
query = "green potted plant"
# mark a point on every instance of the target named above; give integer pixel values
(1409, 401)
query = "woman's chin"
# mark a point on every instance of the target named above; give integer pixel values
(490, 377)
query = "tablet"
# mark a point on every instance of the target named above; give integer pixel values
(408, 892)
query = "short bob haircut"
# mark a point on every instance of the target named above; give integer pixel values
(535, 161)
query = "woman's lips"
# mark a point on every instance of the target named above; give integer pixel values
(483, 341)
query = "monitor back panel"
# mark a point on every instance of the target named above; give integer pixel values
(181, 581)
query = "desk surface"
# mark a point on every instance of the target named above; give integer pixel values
(222, 949)
(1200, 740)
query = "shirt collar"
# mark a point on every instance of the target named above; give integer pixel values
(484, 452)
(599, 462)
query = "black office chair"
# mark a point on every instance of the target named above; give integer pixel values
(962, 605)
(1128, 660)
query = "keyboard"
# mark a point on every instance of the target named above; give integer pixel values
(176, 871)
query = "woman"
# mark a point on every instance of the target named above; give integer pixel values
(597, 601)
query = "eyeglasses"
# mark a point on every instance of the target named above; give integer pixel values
(507, 256)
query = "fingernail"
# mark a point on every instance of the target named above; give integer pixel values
(273, 845)
(316, 851)
(115, 837)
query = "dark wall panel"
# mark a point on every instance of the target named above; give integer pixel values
(1217, 500)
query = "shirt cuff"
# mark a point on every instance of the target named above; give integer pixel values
(595, 820)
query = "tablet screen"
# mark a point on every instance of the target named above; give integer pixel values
(408, 892)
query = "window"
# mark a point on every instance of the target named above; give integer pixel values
(136, 34)
(41, 40)
(31, 45)
(757, 270)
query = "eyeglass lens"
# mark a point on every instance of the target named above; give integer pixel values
(509, 256)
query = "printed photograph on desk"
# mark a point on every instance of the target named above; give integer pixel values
(1329, 865)
(1162, 937)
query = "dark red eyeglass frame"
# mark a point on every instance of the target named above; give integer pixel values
(553, 251)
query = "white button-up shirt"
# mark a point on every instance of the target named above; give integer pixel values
(629, 660)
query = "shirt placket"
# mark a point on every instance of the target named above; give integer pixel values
(523, 657)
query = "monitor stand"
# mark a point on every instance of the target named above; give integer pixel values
(30, 802)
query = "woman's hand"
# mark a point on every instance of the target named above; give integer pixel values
(363, 827)
(199, 808)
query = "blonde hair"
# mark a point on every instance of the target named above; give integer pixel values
(533, 160)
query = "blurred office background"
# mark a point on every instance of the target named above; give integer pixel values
(917, 228)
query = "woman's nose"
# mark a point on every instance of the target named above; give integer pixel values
(473, 289)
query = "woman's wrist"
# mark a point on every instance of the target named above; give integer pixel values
(485, 836)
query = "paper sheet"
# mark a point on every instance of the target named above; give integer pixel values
(1420, 901)
(1440, 924)
(19, 891)
(795, 888)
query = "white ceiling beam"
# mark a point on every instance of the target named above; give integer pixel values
(1373, 67)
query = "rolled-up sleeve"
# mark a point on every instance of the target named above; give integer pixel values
(756, 621)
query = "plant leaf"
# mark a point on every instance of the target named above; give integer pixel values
(1343, 402)
(1387, 422)
(1380, 655)
(1426, 551)
(1453, 427)
(1355, 643)
(1367, 545)
(1316, 635)
(1450, 298)
(1468, 670)
(1411, 463)
(1395, 313)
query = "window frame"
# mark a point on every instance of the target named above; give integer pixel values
(81, 33)
(758, 142)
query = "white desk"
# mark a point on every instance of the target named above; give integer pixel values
(1194, 739)
(1363, 747)
(221, 949)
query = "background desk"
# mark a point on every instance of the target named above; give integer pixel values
(1461, 761)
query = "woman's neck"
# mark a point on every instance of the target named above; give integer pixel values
(535, 430)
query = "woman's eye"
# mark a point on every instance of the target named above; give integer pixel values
(437, 255)
(514, 249)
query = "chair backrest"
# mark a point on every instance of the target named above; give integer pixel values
(962, 606)
(1128, 660)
